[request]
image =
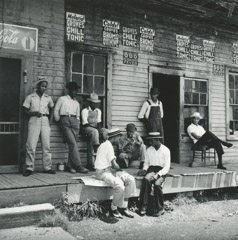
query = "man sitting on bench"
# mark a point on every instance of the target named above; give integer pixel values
(201, 137)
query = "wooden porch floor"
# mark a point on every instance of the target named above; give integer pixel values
(41, 187)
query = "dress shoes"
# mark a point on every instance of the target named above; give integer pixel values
(81, 169)
(159, 213)
(91, 168)
(51, 171)
(142, 211)
(27, 173)
(220, 166)
(116, 214)
(126, 212)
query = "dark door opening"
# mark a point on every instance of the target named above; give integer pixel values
(10, 78)
(169, 88)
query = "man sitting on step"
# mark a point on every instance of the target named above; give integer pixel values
(201, 137)
(131, 147)
(107, 169)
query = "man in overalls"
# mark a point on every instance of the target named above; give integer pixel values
(151, 113)
(92, 123)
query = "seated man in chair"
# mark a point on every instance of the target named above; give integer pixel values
(131, 147)
(201, 137)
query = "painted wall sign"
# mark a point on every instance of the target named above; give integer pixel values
(147, 39)
(129, 37)
(196, 52)
(209, 50)
(18, 37)
(183, 46)
(130, 58)
(218, 70)
(75, 24)
(110, 33)
(235, 53)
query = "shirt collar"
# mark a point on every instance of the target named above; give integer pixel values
(70, 97)
(89, 108)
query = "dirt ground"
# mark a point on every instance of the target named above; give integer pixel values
(188, 220)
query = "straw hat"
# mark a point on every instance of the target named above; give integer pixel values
(154, 135)
(94, 98)
(196, 114)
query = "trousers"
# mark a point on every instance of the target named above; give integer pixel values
(70, 129)
(38, 127)
(123, 185)
(93, 137)
(151, 195)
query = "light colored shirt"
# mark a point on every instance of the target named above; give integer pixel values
(65, 105)
(197, 129)
(38, 104)
(160, 157)
(105, 155)
(145, 109)
(85, 115)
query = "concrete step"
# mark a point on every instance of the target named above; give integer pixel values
(24, 215)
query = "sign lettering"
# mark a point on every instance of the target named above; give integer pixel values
(110, 33)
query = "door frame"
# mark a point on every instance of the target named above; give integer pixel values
(25, 88)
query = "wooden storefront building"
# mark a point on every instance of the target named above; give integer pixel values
(120, 49)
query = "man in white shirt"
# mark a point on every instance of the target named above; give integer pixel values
(67, 112)
(201, 137)
(38, 107)
(107, 169)
(152, 113)
(92, 122)
(156, 166)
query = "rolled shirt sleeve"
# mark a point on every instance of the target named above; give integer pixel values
(57, 109)
(143, 110)
(27, 102)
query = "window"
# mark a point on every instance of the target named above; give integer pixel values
(89, 71)
(195, 100)
(233, 105)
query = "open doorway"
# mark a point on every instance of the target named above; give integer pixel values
(169, 87)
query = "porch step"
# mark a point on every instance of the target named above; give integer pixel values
(24, 215)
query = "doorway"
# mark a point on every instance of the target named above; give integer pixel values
(169, 87)
(10, 79)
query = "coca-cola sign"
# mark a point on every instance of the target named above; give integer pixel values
(18, 37)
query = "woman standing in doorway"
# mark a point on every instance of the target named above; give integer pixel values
(151, 113)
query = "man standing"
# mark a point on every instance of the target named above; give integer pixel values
(67, 112)
(107, 169)
(201, 137)
(151, 113)
(38, 106)
(131, 147)
(92, 122)
(156, 166)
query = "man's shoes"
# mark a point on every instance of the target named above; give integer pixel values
(91, 168)
(51, 171)
(227, 144)
(126, 212)
(220, 166)
(71, 170)
(81, 169)
(116, 214)
(27, 173)
(159, 213)
(142, 211)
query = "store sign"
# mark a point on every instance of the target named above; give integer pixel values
(110, 33)
(129, 37)
(130, 58)
(235, 53)
(75, 24)
(209, 50)
(147, 39)
(218, 70)
(18, 37)
(183, 46)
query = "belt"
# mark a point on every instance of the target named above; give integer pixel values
(68, 115)
(44, 115)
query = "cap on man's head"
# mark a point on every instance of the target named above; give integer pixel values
(72, 86)
(154, 135)
(41, 79)
(154, 91)
(196, 115)
(114, 132)
(94, 98)
(131, 127)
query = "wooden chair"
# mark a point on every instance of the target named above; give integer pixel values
(203, 152)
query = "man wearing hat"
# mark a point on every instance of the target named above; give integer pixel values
(67, 112)
(92, 122)
(151, 113)
(38, 107)
(108, 170)
(201, 137)
(156, 166)
(131, 146)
